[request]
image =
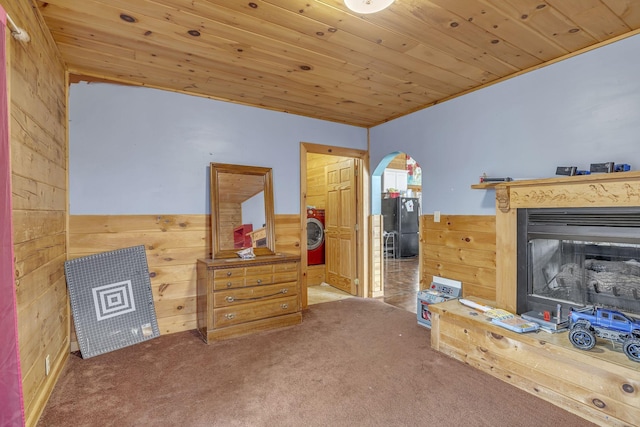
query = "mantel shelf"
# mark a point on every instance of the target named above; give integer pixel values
(597, 177)
(485, 185)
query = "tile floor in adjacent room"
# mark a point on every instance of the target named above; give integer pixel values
(400, 289)
(401, 282)
(324, 293)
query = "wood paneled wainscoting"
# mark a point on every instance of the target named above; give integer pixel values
(173, 245)
(460, 247)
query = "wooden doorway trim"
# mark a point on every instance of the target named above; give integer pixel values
(361, 158)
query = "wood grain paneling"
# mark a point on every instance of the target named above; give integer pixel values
(173, 245)
(322, 60)
(38, 124)
(315, 274)
(460, 247)
(598, 385)
(288, 234)
(376, 287)
(230, 218)
(317, 179)
(398, 162)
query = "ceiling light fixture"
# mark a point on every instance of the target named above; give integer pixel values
(367, 6)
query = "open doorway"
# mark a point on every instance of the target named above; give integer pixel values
(332, 182)
(397, 196)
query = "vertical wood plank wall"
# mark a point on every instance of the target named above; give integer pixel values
(288, 234)
(230, 218)
(173, 244)
(316, 274)
(38, 123)
(460, 247)
(376, 254)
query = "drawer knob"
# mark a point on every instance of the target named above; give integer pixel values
(229, 284)
(284, 306)
(230, 316)
(284, 291)
(228, 274)
(230, 299)
(259, 281)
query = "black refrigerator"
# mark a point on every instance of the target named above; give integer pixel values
(401, 216)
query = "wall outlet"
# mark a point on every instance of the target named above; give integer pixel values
(47, 365)
(436, 216)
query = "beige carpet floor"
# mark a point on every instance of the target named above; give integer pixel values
(352, 362)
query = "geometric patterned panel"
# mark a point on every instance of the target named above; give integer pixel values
(111, 300)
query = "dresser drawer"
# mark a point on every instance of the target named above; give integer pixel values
(229, 283)
(242, 313)
(259, 270)
(255, 293)
(228, 273)
(259, 279)
(229, 278)
(290, 276)
(289, 266)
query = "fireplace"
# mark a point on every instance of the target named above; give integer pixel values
(608, 191)
(602, 384)
(573, 257)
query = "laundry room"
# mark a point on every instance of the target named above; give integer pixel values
(316, 214)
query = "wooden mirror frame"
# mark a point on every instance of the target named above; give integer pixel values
(269, 215)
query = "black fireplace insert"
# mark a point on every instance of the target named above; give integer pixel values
(577, 257)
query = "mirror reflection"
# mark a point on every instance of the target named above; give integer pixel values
(241, 209)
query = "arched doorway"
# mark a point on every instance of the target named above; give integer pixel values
(397, 195)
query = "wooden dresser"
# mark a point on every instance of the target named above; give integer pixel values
(239, 297)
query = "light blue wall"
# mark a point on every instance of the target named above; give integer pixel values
(573, 113)
(140, 151)
(145, 151)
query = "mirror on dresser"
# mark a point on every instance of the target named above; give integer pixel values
(242, 214)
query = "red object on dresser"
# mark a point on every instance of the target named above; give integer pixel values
(241, 237)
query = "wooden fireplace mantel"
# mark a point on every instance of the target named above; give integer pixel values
(601, 385)
(609, 189)
(619, 189)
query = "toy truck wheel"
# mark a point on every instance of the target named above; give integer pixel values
(631, 348)
(582, 338)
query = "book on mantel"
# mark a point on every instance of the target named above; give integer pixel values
(516, 324)
(502, 317)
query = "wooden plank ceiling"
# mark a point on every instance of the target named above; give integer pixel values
(317, 58)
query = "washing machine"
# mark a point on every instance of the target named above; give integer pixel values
(315, 236)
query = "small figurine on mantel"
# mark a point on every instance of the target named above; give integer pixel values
(485, 179)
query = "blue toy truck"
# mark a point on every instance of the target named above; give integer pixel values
(587, 323)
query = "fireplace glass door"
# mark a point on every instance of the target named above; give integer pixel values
(579, 273)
